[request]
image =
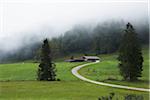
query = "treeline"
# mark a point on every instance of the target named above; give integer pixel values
(27, 52)
(102, 38)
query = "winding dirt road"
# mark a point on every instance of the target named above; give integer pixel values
(75, 73)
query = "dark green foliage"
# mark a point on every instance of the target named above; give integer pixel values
(126, 97)
(110, 97)
(87, 40)
(100, 39)
(46, 70)
(107, 37)
(58, 79)
(130, 55)
(133, 97)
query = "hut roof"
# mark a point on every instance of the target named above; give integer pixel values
(91, 57)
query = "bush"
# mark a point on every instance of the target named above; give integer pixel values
(133, 97)
(126, 97)
(58, 79)
(110, 97)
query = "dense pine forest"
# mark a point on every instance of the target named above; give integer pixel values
(101, 38)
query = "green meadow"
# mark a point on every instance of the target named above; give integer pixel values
(28, 71)
(18, 81)
(107, 71)
(59, 90)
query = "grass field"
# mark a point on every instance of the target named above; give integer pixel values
(18, 82)
(28, 71)
(107, 71)
(63, 90)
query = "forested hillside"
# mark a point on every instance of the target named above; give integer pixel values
(101, 38)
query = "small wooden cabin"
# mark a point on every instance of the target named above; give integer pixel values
(91, 58)
(84, 58)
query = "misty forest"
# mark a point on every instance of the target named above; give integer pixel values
(74, 50)
(102, 38)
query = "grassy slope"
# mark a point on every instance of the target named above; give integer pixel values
(108, 71)
(69, 88)
(28, 71)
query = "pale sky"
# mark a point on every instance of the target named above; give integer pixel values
(19, 18)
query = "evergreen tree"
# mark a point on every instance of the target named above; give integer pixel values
(130, 55)
(46, 70)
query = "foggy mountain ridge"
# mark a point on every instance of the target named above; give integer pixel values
(28, 43)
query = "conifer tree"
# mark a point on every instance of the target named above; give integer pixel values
(46, 70)
(130, 55)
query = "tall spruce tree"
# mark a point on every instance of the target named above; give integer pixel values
(46, 70)
(130, 55)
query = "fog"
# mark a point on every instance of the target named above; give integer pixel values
(25, 22)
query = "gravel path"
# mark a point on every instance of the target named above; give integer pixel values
(75, 72)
